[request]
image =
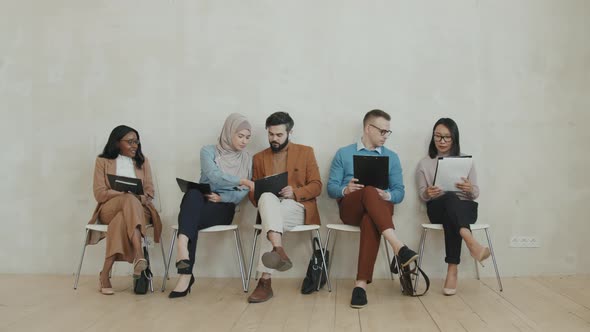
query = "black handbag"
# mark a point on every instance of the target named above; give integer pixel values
(142, 284)
(406, 274)
(316, 275)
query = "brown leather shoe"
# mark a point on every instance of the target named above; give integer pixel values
(277, 259)
(262, 293)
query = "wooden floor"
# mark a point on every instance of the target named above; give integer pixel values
(48, 303)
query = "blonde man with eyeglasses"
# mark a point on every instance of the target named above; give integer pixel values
(369, 207)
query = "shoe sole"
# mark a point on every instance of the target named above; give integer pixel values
(413, 258)
(272, 260)
(181, 265)
(106, 292)
(449, 291)
(141, 266)
(259, 301)
(358, 306)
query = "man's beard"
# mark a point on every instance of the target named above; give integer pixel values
(280, 147)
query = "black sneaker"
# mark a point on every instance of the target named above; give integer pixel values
(359, 298)
(406, 256)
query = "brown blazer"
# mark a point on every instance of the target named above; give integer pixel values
(103, 192)
(304, 177)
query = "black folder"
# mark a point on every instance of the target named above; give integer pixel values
(372, 171)
(185, 186)
(125, 184)
(272, 184)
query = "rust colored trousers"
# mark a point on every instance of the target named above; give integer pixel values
(365, 208)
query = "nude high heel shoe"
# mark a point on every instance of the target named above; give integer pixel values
(104, 290)
(482, 255)
(449, 291)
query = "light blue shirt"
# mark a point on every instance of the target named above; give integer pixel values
(342, 170)
(225, 185)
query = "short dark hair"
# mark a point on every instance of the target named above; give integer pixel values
(454, 129)
(111, 150)
(375, 114)
(280, 118)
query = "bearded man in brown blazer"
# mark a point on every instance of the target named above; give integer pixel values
(296, 203)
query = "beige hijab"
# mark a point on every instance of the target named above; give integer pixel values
(229, 160)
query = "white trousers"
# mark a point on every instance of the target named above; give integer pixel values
(278, 215)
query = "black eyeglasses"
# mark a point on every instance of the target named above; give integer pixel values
(383, 132)
(439, 138)
(131, 141)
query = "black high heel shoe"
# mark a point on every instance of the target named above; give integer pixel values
(174, 294)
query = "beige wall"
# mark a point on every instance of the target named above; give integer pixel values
(514, 74)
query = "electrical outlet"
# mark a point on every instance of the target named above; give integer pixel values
(525, 242)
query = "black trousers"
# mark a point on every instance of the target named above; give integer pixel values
(453, 214)
(197, 213)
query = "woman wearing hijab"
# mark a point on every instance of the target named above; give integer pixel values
(226, 167)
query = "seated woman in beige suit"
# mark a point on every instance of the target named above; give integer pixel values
(125, 214)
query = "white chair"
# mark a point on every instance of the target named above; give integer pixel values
(474, 227)
(212, 229)
(103, 229)
(296, 229)
(350, 229)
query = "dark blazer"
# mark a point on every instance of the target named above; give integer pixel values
(304, 177)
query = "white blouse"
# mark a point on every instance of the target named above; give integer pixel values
(125, 167)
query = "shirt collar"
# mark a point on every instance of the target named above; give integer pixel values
(125, 158)
(360, 146)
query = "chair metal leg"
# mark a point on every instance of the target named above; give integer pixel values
(172, 242)
(332, 250)
(331, 260)
(252, 259)
(324, 260)
(81, 259)
(475, 262)
(240, 257)
(494, 260)
(163, 252)
(327, 239)
(389, 261)
(420, 255)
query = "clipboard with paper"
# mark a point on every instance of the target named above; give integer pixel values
(450, 170)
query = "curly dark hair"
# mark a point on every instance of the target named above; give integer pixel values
(280, 118)
(111, 149)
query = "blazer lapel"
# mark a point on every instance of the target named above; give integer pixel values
(110, 169)
(292, 158)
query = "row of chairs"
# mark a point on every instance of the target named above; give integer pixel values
(332, 229)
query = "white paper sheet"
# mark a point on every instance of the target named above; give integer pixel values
(450, 170)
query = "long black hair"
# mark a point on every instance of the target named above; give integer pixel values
(111, 149)
(452, 127)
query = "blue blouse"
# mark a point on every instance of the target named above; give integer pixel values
(225, 185)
